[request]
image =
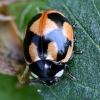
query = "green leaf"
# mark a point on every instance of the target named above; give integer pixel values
(9, 90)
(85, 67)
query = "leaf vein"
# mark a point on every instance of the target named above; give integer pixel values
(84, 86)
(69, 93)
(96, 8)
(55, 94)
(66, 7)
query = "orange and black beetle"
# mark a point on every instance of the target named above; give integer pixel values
(48, 45)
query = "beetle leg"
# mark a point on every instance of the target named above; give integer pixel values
(74, 24)
(75, 52)
(67, 72)
(78, 52)
(25, 76)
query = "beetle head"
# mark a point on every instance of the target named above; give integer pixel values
(46, 71)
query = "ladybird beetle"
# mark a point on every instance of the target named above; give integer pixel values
(47, 46)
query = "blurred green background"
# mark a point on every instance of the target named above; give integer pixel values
(23, 12)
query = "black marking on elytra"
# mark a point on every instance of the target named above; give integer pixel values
(62, 42)
(63, 52)
(45, 43)
(36, 17)
(42, 44)
(58, 18)
(26, 43)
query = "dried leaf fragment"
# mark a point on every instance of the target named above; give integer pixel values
(6, 68)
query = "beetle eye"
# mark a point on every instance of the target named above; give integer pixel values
(56, 79)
